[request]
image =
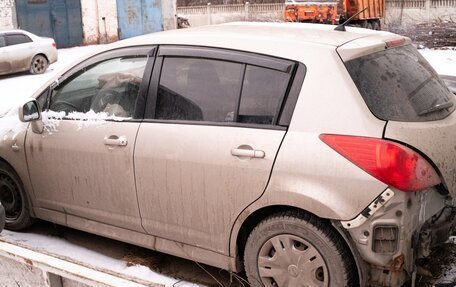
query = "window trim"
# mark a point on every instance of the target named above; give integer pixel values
(149, 51)
(241, 57)
(288, 102)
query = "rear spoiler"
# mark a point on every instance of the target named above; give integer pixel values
(376, 42)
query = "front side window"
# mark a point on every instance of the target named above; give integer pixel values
(17, 39)
(109, 87)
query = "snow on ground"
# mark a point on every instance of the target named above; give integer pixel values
(17, 87)
(61, 247)
(443, 61)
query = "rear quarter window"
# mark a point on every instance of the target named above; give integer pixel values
(399, 84)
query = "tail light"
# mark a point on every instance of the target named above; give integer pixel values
(392, 163)
(54, 45)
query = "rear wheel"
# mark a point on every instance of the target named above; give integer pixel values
(294, 249)
(13, 199)
(39, 64)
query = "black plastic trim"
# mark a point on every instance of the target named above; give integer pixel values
(284, 66)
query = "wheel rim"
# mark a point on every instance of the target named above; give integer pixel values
(288, 260)
(10, 197)
(39, 65)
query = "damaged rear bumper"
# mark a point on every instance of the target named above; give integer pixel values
(397, 229)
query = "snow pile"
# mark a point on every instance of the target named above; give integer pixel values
(51, 120)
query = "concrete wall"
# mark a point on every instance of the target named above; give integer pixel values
(7, 14)
(217, 14)
(169, 8)
(99, 20)
(411, 12)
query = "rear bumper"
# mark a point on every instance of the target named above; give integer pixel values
(398, 233)
(2, 217)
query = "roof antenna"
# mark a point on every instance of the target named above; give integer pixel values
(341, 27)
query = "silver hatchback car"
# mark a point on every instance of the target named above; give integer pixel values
(23, 51)
(304, 155)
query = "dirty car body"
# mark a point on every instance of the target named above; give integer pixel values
(23, 51)
(232, 154)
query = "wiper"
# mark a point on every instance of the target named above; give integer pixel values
(437, 107)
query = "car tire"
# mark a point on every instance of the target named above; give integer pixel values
(39, 65)
(311, 253)
(14, 199)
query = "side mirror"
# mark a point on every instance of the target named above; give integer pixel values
(31, 112)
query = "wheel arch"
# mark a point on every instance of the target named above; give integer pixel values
(254, 218)
(24, 185)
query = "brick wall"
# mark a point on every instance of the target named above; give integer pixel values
(7, 14)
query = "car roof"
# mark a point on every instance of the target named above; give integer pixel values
(235, 33)
(15, 31)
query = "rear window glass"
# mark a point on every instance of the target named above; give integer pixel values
(399, 84)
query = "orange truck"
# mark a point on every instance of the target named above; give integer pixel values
(336, 12)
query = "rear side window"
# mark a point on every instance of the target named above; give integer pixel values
(262, 94)
(17, 39)
(198, 90)
(2, 41)
(399, 84)
(210, 90)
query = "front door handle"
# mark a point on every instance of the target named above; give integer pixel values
(248, 153)
(115, 141)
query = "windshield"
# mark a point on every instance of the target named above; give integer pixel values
(399, 84)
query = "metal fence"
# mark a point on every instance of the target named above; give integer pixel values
(229, 9)
(407, 3)
(443, 3)
(420, 4)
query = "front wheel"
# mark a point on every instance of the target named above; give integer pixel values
(295, 249)
(13, 199)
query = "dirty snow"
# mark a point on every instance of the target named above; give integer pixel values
(76, 253)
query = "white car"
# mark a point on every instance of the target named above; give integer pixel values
(23, 51)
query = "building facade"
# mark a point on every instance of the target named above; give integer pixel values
(85, 22)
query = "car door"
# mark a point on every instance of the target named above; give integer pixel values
(82, 163)
(20, 51)
(5, 64)
(208, 143)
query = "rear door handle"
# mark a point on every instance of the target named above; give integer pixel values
(248, 153)
(115, 141)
